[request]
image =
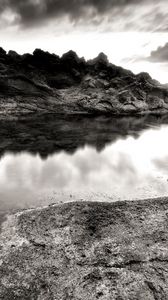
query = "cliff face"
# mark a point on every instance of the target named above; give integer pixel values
(86, 251)
(44, 82)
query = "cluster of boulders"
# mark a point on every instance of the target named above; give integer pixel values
(46, 82)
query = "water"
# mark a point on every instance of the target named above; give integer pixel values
(62, 159)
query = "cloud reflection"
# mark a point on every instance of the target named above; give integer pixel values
(129, 168)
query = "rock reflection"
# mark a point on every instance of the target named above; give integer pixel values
(49, 134)
(47, 161)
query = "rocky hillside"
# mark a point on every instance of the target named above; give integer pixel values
(44, 82)
(86, 251)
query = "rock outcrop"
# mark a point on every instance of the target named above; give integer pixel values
(44, 82)
(87, 251)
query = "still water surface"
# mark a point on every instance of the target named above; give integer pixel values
(62, 159)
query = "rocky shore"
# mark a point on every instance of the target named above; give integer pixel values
(46, 83)
(86, 250)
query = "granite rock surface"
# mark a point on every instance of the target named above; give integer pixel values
(85, 250)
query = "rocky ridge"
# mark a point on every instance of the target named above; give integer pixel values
(47, 83)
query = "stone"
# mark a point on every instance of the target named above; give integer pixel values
(86, 250)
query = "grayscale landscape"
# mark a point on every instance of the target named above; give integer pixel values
(83, 150)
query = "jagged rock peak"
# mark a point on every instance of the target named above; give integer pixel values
(40, 53)
(101, 58)
(13, 54)
(2, 51)
(72, 56)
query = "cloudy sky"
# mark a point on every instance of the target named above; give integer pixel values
(133, 33)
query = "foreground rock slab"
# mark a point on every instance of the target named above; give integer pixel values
(87, 251)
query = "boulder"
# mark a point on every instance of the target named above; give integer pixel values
(86, 251)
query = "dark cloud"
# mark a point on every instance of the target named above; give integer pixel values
(160, 54)
(34, 11)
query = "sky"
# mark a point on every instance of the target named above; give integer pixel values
(133, 33)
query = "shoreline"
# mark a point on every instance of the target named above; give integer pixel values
(86, 250)
(5, 115)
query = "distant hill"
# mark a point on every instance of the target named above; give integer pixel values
(44, 82)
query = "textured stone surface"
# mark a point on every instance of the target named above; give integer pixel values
(86, 251)
(44, 82)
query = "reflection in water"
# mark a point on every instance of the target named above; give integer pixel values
(78, 158)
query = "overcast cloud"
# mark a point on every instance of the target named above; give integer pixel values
(160, 54)
(115, 15)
